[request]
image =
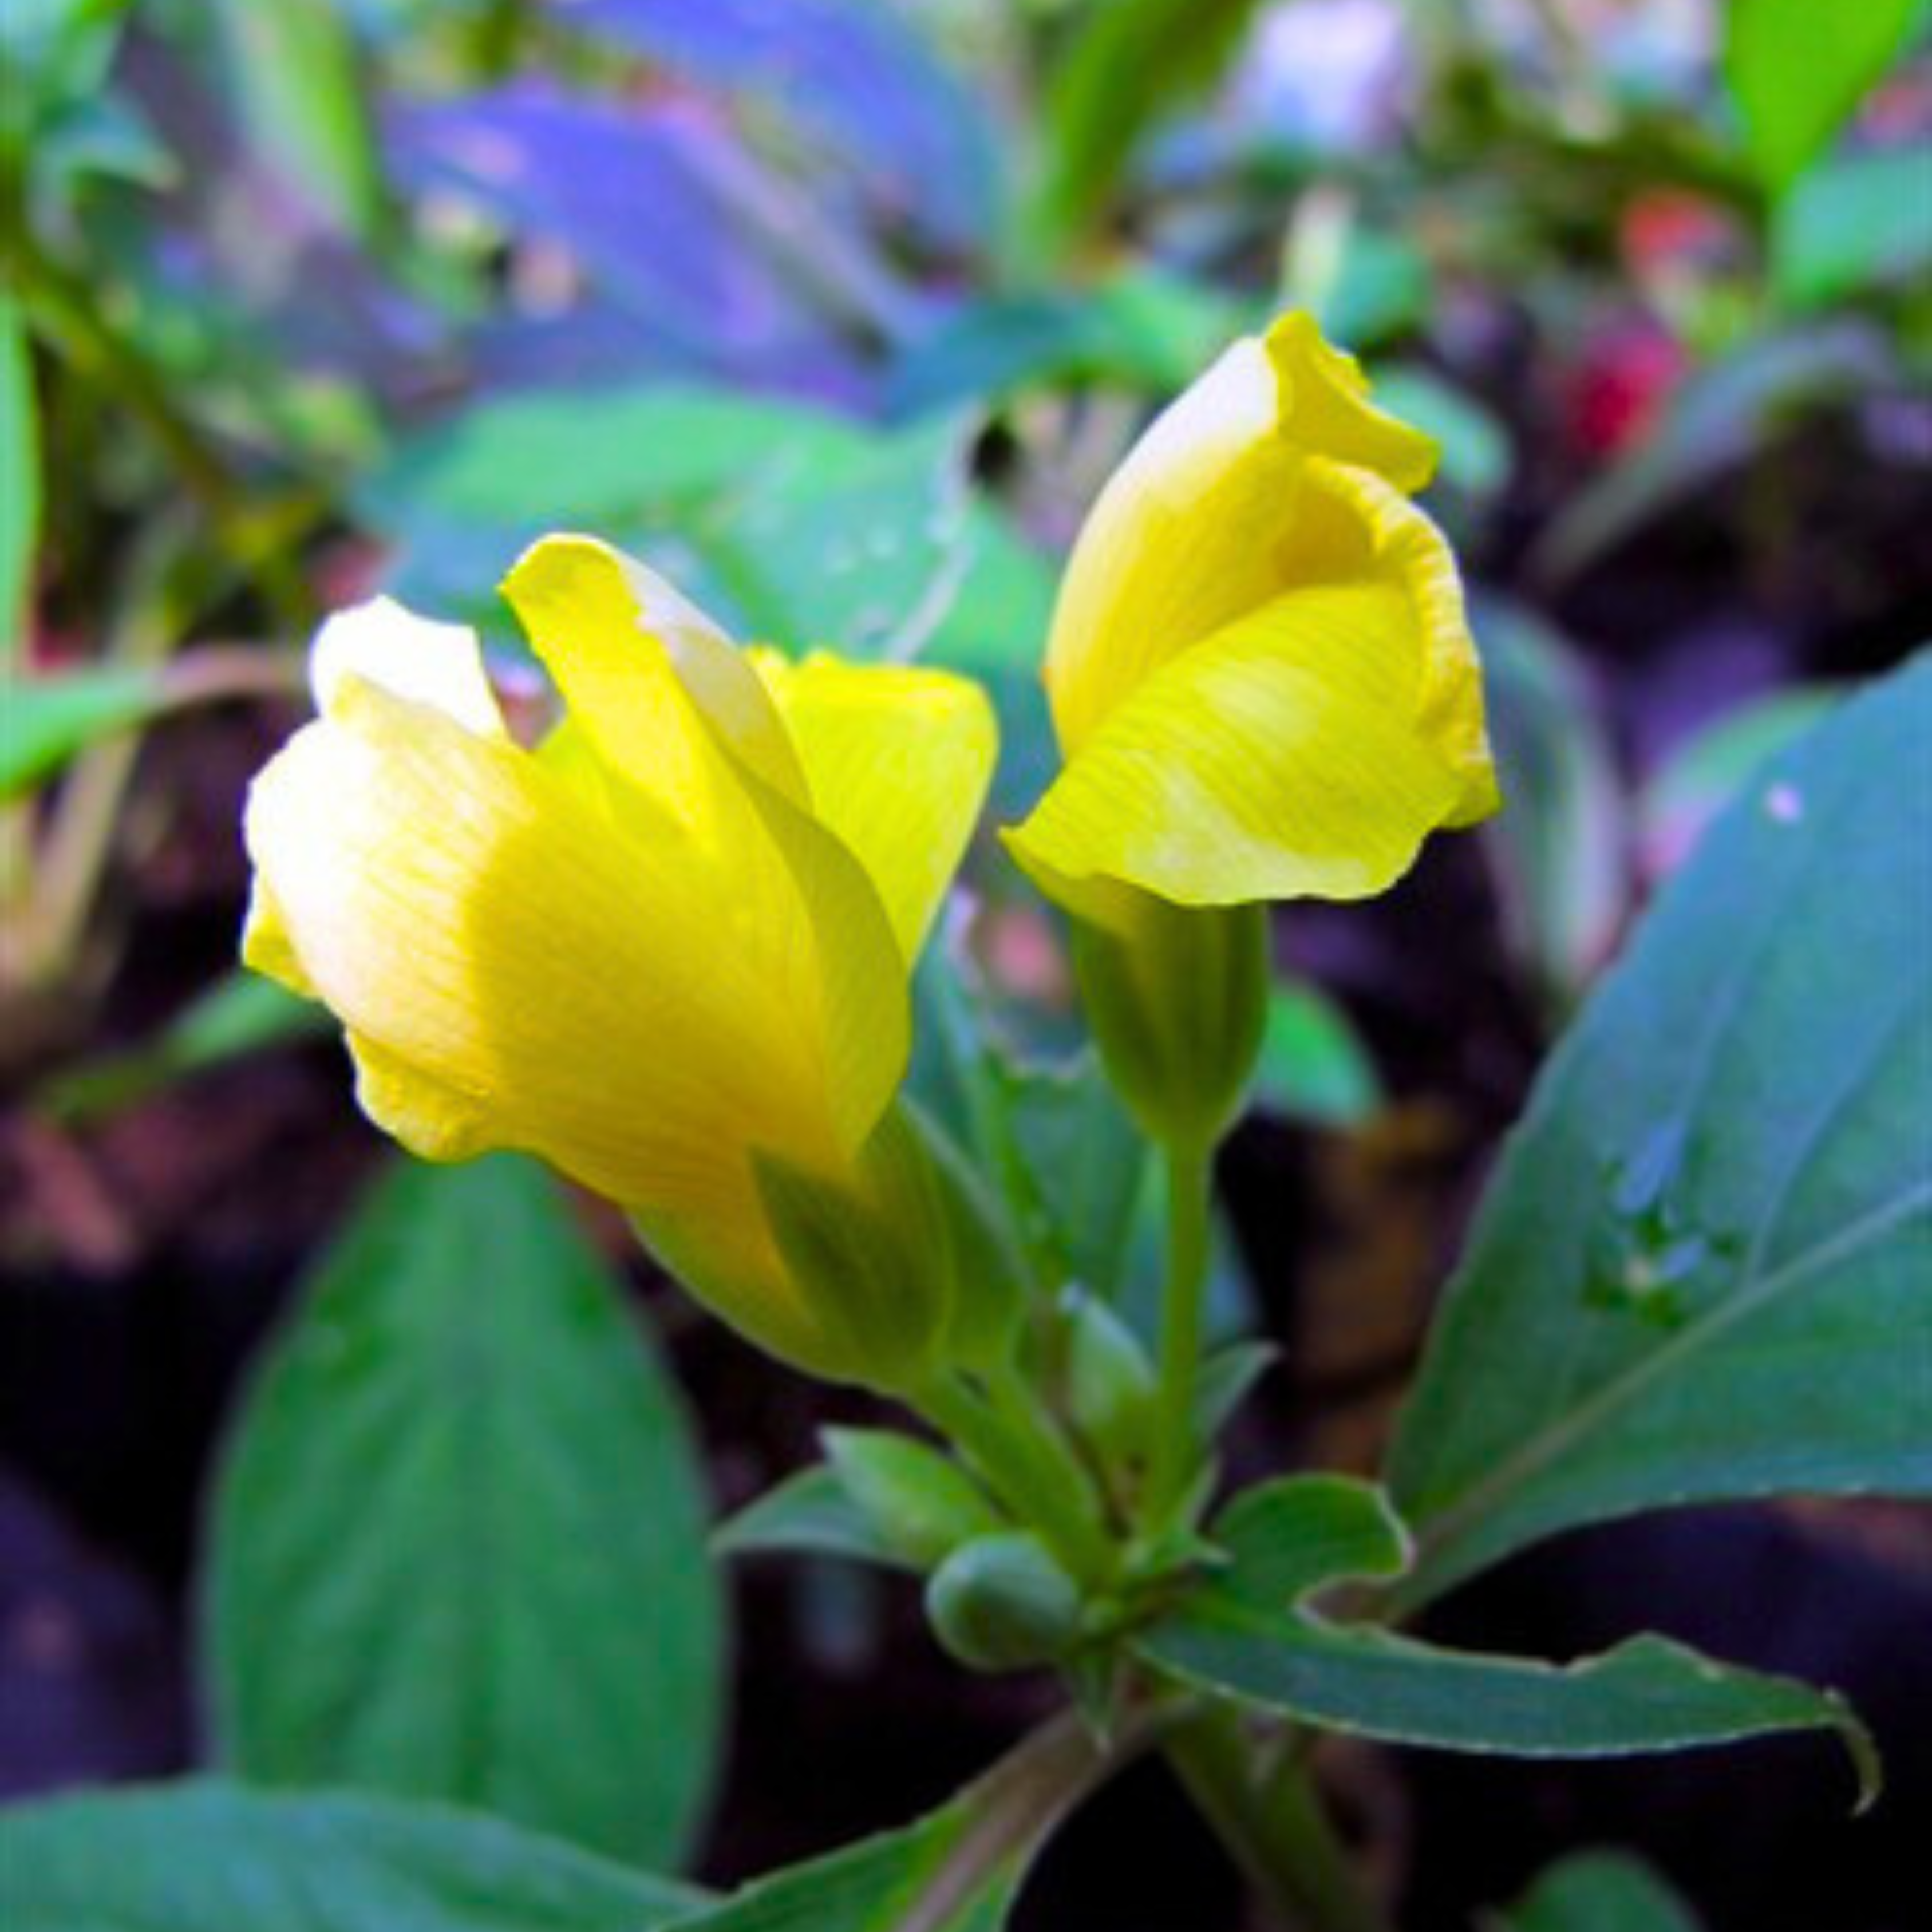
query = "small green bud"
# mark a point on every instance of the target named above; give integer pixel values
(1111, 1388)
(922, 1506)
(1176, 997)
(1002, 1603)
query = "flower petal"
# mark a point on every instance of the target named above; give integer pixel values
(1188, 534)
(897, 760)
(680, 724)
(381, 642)
(515, 973)
(1286, 757)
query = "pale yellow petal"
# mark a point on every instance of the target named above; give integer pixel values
(516, 972)
(1190, 533)
(898, 760)
(381, 643)
(1285, 757)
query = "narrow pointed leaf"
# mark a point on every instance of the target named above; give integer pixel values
(1247, 1635)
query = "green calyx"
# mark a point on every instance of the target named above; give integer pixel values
(1177, 996)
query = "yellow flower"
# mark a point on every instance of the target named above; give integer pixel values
(667, 951)
(1261, 676)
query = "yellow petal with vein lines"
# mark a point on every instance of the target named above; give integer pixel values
(1285, 757)
(898, 760)
(677, 719)
(1189, 533)
(517, 973)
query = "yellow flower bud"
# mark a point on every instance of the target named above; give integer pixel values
(1261, 676)
(667, 951)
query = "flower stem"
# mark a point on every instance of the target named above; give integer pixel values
(1275, 1826)
(1177, 1450)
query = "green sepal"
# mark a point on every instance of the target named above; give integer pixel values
(1003, 1603)
(921, 1505)
(1111, 1387)
(1176, 997)
(875, 1259)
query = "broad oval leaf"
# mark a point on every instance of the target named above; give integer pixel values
(1703, 1269)
(459, 1542)
(201, 1856)
(19, 478)
(1247, 1635)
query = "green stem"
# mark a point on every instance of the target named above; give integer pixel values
(1029, 1470)
(1177, 1450)
(1275, 1826)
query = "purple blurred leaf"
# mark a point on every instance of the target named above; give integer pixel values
(641, 200)
(851, 74)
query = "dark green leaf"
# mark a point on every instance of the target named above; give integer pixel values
(1700, 1270)
(1314, 1067)
(1597, 1891)
(1244, 1636)
(1704, 774)
(459, 1544)
(210, 1858)
(958, 1870)
(44, 721)
(1797, 70)
(1863, 221)
(808, 1514)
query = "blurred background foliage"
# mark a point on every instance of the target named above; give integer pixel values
(840, 310)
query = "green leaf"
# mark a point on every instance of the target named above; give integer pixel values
(793, 525)
(1314, 1067)
(1149, 329)
(293, 70)
(47, 721)
(1797, 71)
(808, 1514)
(458, 1539)
(1705, 773)
(1127, 63)
(1597, 1891)
(958, 1870)
(1559, 850)
(922, 1504)
(204, 1857)
(20, 479)
(1861, 221)
(240, 1014)
(1246, 1636)
(1699, 1272)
